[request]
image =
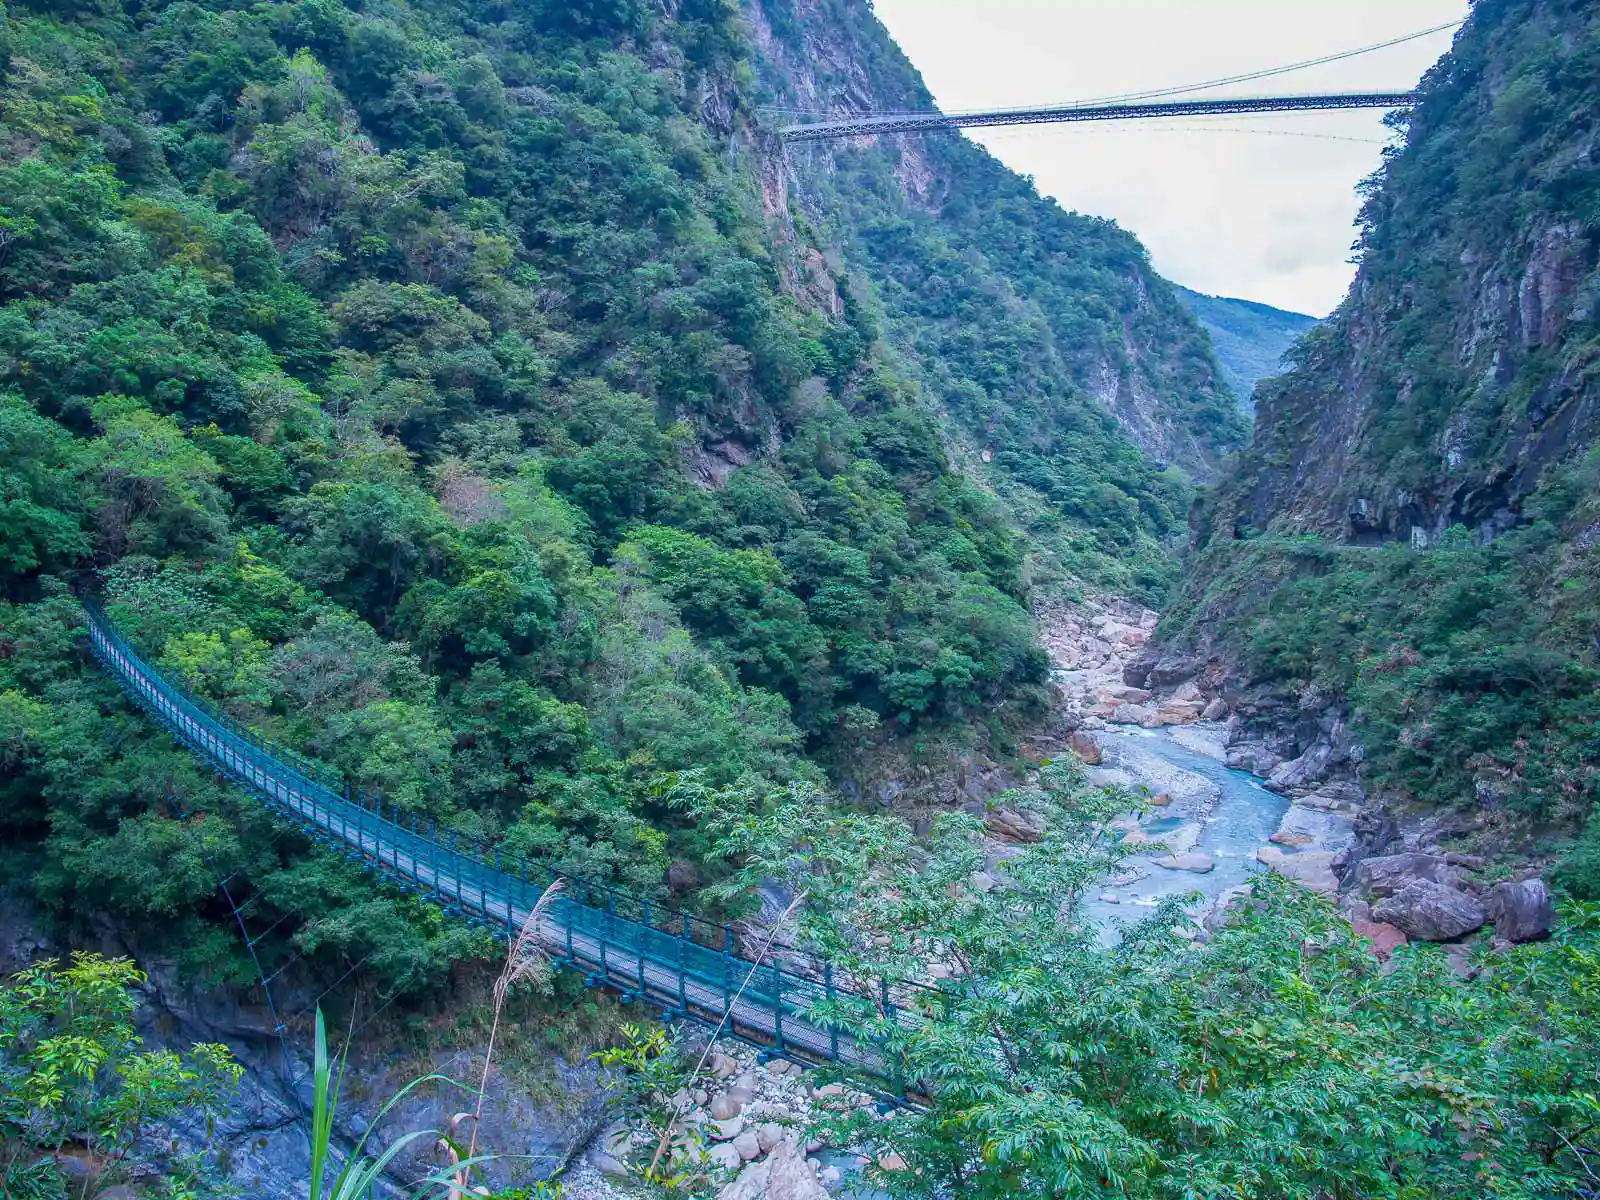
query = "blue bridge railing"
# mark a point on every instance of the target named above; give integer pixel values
(688, 966)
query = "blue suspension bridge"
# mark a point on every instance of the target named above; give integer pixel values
(642, 950)
(870, 124)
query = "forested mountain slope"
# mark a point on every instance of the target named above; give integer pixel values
(1416, 526)
(1054, 350)
(1250, 339)
(444, 390)
(475, 397)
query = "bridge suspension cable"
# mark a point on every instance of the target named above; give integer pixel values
(868, 125)
(1185, 89)
(1272, 72)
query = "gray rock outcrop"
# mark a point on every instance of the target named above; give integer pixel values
(1521, 911)
(1431, 912)
(1014, 825)
(783, 1175)
(1393, 873)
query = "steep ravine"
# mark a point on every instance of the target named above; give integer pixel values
(1397, 586)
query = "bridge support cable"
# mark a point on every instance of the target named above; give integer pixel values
(671, 959)
(869, 125)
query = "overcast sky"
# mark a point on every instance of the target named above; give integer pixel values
(1262, 216)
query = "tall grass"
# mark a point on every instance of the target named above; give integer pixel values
(357, 1176)
(525, 960)
(359, 1172)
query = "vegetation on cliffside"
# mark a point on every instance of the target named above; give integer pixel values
(1251, 339)
(1415, 524)
(429, 386)
(1065, 365)
(371, 359)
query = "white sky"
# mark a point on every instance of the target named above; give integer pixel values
(1263, 217)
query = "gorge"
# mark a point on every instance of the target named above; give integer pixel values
(840, 542)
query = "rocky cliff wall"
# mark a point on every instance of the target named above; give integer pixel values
(1462, 363)
(1413, 519)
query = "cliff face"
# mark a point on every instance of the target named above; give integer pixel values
(1399, 578)
(1041, 335)
(1462, 364)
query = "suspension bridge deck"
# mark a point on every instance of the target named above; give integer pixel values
(642, 951)
(866, 125)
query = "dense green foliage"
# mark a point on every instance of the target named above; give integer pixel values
(72, 1071)
(1250, 339)
(1414, 526)
(1026, 325)
(1278, 1060)
(1470, 668)
(444, 389)
(371, 358)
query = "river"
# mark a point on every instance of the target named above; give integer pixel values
(1223, 814)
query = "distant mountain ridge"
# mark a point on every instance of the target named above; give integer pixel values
(1250, 338)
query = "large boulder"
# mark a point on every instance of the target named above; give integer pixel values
(1338, 796)
(1200, 864)
(1086, 748)
(1136, 672)
(1135, 714)
(1431, 912)
(1119, 692)
(781, 1175)
(1014, 825)
(1311, 869)
(1180, 712)
(1393, 873)
(1255, 757)
(1304, 825)
(1300, 773)
(1521, 911)
(1377, 833)
(1170, 669)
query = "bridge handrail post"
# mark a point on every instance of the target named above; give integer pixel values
(833, 1027)
(683, 995)
(644, 942)
(777, 1006)
(433, 856)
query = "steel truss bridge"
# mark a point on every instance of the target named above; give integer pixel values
(632, 946)
(867, 125)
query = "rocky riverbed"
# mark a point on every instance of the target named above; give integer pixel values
(1234, 795)
(746, 1127)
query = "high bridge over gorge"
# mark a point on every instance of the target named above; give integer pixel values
(799, 126)
(869, 124)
